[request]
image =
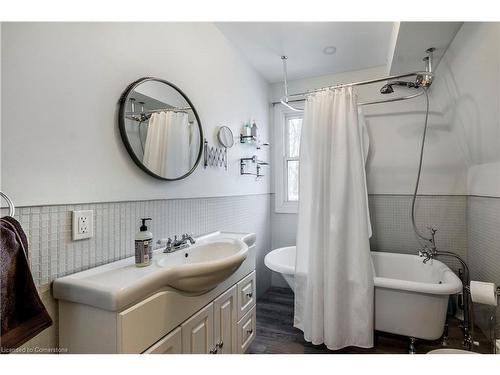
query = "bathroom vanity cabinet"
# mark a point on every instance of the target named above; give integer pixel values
(224, 326)
(164, 320)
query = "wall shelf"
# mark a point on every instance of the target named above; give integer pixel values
(252, 140)
(246, 163)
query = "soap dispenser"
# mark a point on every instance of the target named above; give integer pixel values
(143, 245)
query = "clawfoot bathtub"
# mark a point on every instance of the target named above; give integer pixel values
(411, 298)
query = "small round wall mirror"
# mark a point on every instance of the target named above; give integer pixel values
(225, 136)
(160, 129)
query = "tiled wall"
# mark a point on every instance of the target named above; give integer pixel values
(392, 226)
(52, 253)
(483, 215)
(484, 238)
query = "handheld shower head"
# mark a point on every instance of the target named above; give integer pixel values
(388, 89)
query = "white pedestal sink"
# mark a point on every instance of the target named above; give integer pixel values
(196, 269)
(202, 267)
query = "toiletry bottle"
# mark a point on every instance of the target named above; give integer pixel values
(247, 132)
(254, 131)
(143, 246)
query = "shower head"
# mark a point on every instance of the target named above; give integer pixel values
(423, 79)
(388, 89)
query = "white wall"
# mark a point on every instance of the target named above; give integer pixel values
(467, 92)
(60, 88)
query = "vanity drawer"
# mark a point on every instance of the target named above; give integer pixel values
(246, 330)
(246, 294)
(170, 344)
(142, 325)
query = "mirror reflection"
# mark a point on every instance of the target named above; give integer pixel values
(225, 136)
(161, 129)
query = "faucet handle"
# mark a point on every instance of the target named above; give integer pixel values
(424, 251)
(163, 241)
(432, 229)
(189, 237)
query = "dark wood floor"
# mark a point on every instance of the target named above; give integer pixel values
(276, 334)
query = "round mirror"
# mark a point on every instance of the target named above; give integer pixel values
(160, 128)
(225, 136)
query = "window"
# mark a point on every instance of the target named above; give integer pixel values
(288, 126)
(293, 126)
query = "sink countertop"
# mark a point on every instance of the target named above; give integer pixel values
(116, 285)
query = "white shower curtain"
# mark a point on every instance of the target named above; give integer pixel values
(334, 272)
(167, 147)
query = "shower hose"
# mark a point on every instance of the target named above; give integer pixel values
(415, 228)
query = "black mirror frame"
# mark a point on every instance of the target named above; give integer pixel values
(123, 133)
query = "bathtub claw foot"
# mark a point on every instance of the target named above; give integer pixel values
(444, 338)
(411, 345)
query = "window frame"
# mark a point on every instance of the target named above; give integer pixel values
(281, 158)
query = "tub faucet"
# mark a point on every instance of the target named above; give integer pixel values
(430, 250)
(426, 253)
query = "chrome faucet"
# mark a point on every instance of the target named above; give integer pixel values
(429, 251)
(426, 253)
(177, 244)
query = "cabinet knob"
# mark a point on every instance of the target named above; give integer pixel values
(220, 344)
(250, 331)
(249, 295)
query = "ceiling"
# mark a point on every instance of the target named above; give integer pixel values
(359, 45)
(414, 38)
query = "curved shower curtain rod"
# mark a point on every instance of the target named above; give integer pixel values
(300, 96)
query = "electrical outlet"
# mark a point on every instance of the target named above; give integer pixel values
(83, 224)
